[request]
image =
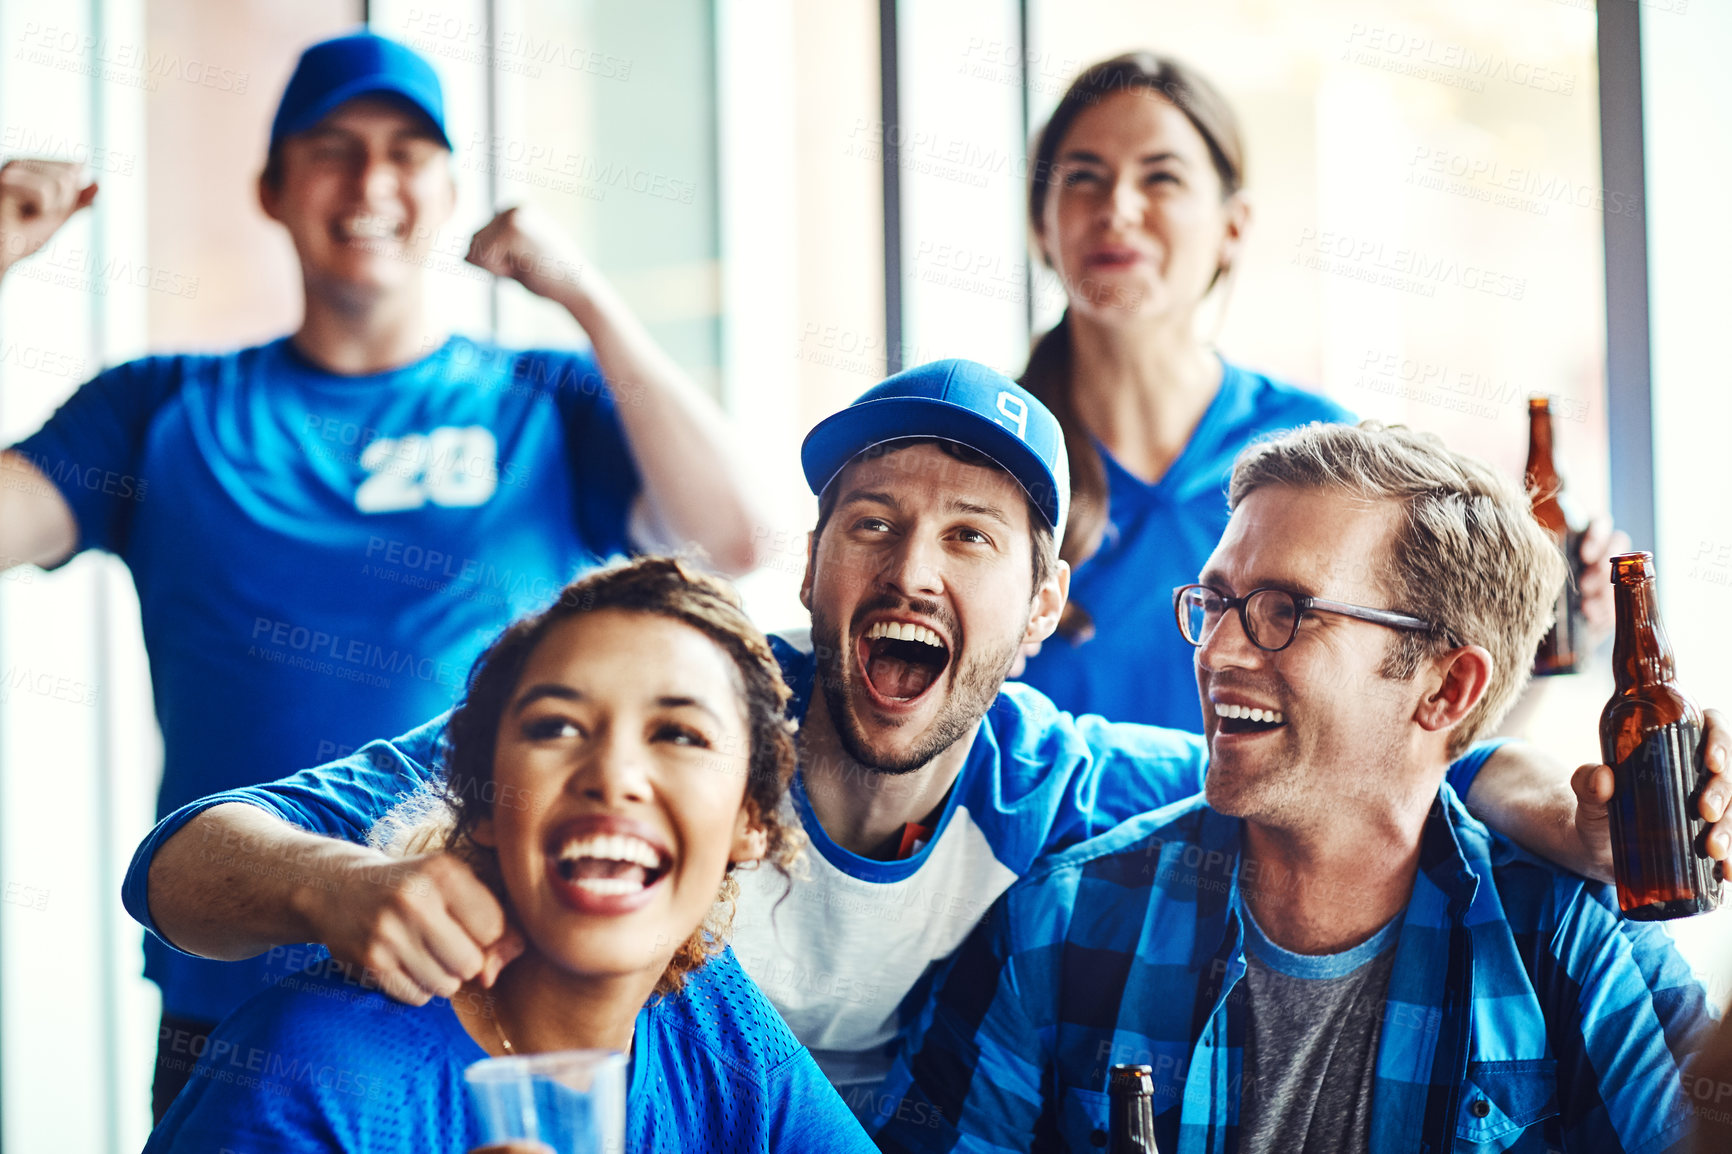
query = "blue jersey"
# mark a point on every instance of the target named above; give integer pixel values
(319, 1064)
(320, 558)
(1136, 667)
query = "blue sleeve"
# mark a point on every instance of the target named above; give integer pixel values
(807, 1114)
(1625, 1014)
(1132, 769)
(91, 447)
(343, 799)
(604, 476)
(1465, 768)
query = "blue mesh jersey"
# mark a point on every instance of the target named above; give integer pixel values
(1523, 1013)
(320, 558)
(320, 1064)
(849, 953)
(1136, 667)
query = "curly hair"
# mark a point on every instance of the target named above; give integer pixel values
(663, 586)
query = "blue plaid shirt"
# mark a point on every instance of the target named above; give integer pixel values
(1523, 1013)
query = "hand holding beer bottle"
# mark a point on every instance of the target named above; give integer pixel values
(1651, 736)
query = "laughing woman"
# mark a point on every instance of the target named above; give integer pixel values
(616, 758)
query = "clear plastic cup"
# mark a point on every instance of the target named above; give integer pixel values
(571, 1101)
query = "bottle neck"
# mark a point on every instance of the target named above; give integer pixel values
(1542, 470)
(1642, 654)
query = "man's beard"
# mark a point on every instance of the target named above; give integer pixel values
(974, 686)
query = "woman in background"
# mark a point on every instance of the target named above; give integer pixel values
(1136, 201)
(616, 757)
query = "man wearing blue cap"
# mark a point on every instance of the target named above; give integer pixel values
(326, 529)
(927, 785)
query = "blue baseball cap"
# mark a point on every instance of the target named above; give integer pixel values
(955, 401)
(334, 72)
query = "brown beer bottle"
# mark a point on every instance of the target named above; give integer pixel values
(1558, 649)
(1131, 1110)
(1651, 736)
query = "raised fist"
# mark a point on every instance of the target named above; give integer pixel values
(36, 198)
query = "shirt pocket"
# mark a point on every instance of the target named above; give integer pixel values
(1501, 1100)
(1082, 1120)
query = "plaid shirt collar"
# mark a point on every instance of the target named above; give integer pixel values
(1440, 1021)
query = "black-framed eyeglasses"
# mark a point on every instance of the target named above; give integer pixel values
(1271, 617)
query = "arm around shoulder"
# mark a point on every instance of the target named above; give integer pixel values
(231, 880)
(1527, 796)
(236, 880)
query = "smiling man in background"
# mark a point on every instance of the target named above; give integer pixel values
(326, 529)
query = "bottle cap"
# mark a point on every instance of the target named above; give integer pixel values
(1637, 566)
(1133, 1078)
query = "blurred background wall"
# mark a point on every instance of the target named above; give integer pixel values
(790, 228)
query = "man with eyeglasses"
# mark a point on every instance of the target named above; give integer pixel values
(1325, 952)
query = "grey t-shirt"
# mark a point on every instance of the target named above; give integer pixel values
(1312, 1023)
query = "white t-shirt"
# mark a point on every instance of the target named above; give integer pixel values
(840, 950)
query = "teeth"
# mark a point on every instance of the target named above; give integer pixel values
(608, 887)
(370, 226)
(903, 631)
(612, 847)
(1246, 713)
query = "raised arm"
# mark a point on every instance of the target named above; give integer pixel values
(36, 198)
(686, 452)
(231, 876)
(36, 523)
(1535, 801)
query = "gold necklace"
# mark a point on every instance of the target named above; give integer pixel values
(499, 1028)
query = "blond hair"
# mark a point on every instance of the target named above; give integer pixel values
(1468, 555)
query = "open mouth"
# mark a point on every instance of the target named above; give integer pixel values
(370, 228)
(901, 660)
(1234, 719)
(1112, 259)
(610, 865)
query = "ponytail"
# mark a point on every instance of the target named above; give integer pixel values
(1049, 376)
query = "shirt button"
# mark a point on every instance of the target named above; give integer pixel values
(1479, 1107)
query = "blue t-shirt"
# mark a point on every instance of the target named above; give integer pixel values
(320, 558)
(319, 1064)
(1137, 667)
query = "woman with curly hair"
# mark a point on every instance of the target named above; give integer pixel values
(616, 758)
